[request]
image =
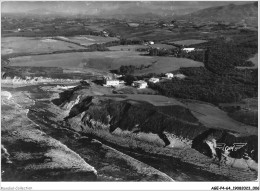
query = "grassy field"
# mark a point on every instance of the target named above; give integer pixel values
(89, 39)
(156, 100)
(213, 117)
(209, 115)
(105, 61)
(33, 45)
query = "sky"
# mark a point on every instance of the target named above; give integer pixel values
(100, 7)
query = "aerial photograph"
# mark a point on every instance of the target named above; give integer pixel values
(129, 91)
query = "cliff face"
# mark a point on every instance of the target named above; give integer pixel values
(137, 117)
(117, 114)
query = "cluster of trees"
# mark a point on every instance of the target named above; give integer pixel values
(128, 78)
(224, 57)
(143, 49)
(204, 85)
(97, 47)
(163, 52)
(130, 69)
(194, 55)
(219, 55)
(123, 42)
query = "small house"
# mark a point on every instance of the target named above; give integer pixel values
(105, 33)
(188, 49)
(140, 84)
(169, 75)
(154, 80)
(110, 82)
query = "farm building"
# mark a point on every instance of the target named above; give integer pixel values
(110, 82)
(150, 42)
(169, 75)
(154, 80)
(188, 49)
(139, 84)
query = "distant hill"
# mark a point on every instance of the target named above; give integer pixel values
(243, 14)
(111, 7)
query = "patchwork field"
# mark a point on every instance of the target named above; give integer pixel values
(151, 32)
(106, 61)
(33, 45)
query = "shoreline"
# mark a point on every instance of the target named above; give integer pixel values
(27, 142)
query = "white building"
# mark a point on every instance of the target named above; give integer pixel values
(188, 49)
(111, 83)
(154, 80)
(139, 84)
(105, 33)
(169, 75)
(151, 42)
(117, 76)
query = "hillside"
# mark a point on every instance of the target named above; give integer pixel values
(129, 113)
(242, 14)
